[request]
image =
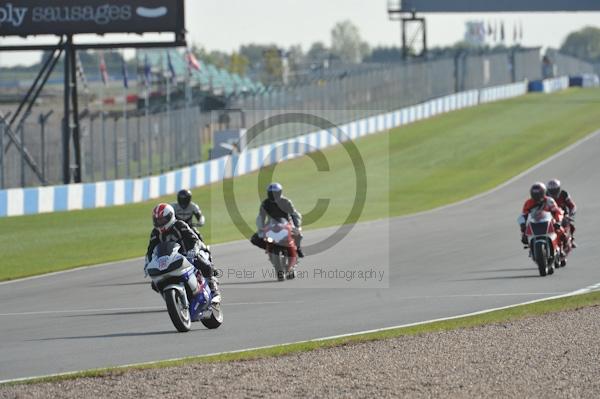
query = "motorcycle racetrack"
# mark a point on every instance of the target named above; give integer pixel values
(453, 260)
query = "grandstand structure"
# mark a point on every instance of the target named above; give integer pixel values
(208, 77)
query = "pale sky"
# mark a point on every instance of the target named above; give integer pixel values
(226, 24)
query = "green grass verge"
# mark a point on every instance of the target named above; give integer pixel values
(498, 316)
(417, 167)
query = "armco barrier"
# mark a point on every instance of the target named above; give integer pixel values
(549, 85)
(585, 80)
(26, 201)
(502, 92)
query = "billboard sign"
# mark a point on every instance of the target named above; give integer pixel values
(59, 17)
(498, 5)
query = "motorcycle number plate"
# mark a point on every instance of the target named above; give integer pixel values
(163, 264)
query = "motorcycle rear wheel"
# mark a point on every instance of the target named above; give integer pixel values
(216, 317)
(291, 274)
(179, 315)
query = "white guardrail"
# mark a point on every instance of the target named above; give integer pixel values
(549, 85)
(27, 201)
(556, 84)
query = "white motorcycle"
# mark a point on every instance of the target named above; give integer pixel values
(183, 288)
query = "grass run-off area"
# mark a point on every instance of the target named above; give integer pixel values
(536, 309)
(409, 169)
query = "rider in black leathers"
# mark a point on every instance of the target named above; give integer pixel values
(186, 210)
(168, 228)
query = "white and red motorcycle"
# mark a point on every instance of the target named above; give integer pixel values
(544, 244)
(567, 245)
(281, 248)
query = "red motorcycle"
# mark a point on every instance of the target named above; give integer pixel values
(567, 244)
(281, 248)
(545, 247)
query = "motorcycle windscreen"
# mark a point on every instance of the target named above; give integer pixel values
(539, 222)
(165, 267)
(539, 229)
(165, 249)
(279, 237)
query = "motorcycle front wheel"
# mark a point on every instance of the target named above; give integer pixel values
(179, 314)
(278, 264)
(540, 254)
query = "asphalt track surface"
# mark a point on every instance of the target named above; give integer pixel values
(455, 260)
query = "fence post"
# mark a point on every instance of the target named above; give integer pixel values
(166, 135)
(92, 166)
(149, 126)
(22, 138)
(183, 140)
(116, 147)
(2, 130)
(161, 144)
(127, 142)
(190, 138)
(43, 118)
(199, 136)
(173, 126)
(42, 121)
(512, 64)
(211, 129)
(138, 146)
(103, 145)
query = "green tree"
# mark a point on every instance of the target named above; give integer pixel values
(584, 44)
(273, 66)
(295, 54)
(255, 53)
(238, 63)
(318, 52)
(346, 42)
(295, 58)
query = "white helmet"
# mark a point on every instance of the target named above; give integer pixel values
(163, 217)
(554, 188)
